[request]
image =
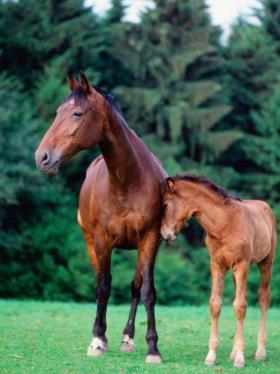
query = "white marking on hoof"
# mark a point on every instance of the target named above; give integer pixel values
(153, 359)
(97, 347)
(210, 359)
(127, 344)
(239, 361)
(261, 353)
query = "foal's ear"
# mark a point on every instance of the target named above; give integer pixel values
(85, 83)
(72, 81)
(171, 185)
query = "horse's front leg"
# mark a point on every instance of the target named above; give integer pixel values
(128, 344)
(147, 250)
(102, 255)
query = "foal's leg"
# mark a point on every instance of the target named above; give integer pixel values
(218, 273)
(265, 267)
(147, 253)
(128, 344)
(240, 307)
(103, 290)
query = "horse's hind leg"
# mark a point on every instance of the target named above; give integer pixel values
(128, 344)
(215, 303)
(265, 267)
(240, 307)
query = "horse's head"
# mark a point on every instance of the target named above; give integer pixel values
(176, 210)
(78, 125)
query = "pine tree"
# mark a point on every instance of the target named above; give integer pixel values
(269, 15)
(253, 76)
(252, 66)
(175, 102)
(36, 32)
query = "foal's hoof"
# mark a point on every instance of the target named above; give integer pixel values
(232, 355)
(153, 359)
(210, 359)
(239, 362)
(208, 362)
(97, 347)
(261, 354)
(127, 344)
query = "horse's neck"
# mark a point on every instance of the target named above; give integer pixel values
(119, 154)
(209, 210)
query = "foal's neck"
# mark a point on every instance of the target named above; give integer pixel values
(208, 207)
(118, 152)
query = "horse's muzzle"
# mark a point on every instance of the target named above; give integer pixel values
(47, 161)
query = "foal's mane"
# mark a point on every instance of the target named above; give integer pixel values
(222, 192)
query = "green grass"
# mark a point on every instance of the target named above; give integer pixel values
(43, 337)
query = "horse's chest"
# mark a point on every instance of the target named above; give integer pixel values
(125, 228)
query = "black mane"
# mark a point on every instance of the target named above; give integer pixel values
(207, 183)
(79, 95)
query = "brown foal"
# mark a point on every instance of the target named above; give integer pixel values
(120, 200)
(239, 233)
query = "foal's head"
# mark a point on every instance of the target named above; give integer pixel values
(176, 210)
(78, 125)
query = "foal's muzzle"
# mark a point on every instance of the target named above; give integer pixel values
(169, 235)
(47, 161)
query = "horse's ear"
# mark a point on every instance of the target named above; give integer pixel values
(72, 81)
(85, 83)
(171, 185)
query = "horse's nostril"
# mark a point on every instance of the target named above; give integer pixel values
(45, 158)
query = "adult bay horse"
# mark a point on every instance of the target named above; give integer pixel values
(120, 201)
(239, 233)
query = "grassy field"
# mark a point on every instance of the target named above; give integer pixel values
(53, 337)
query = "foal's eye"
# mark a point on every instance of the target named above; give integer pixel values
(77, 114)
(164, 206)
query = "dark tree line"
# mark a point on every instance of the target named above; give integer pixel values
(201, 107)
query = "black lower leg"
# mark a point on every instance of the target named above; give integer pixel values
(135, 296)
(148, 294)
(103, 290)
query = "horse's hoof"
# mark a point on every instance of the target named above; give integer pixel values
(153, 359)
(97, 347)
(127, 344)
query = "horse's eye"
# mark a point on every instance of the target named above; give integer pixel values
(77, 114)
